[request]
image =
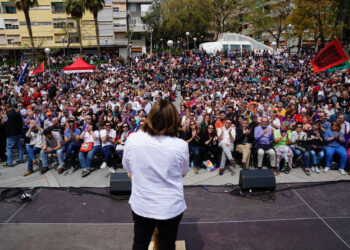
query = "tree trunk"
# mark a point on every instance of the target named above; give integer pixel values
(79, 34)
(29, 27)
(97, 36)
(300, 39)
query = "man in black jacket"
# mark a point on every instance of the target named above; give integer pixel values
(244, 142)
(13, 130)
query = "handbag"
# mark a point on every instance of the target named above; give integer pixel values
(86, 147)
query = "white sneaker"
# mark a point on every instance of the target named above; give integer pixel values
(112, 170)
(104, 165)
(326, 169)
(342, 171)
(313, 169)
(317, 170)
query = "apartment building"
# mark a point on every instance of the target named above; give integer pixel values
(52, 28)
(113, 21)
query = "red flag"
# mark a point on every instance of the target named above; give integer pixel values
(39, 69)
(330, 56)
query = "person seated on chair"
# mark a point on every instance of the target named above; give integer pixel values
(282, 139)
(263, 136)
(298, 143)
(335, 141)
(244, 142)
(73, 142)
(210, 145)
(35, 134)
(86, 158)
(122, 138)
(316, 143)
(53, 143)
(192, 137)
(108, 139)
(226, 136)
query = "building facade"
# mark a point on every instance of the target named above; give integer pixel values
(53, 28)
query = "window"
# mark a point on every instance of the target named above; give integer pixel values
(136, 36)
(132, 7)
(8, 9)
(43, 23)
(10, 41)
(57, 7)
(225, 47)
(115, 9)
(59, 23)
(246, 47)
(234, 47)
(10, 26)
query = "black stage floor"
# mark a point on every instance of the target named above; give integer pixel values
(310, 218)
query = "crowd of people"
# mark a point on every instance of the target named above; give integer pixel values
(236, 108)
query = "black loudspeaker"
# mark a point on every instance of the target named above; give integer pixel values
(257, 180)
(120, 184)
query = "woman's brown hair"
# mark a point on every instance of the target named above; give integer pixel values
(163, 119)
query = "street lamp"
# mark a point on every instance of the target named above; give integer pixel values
(170, 44)
(187, 35)
(64, 51)
(150, 29)
(290, 26)
(274, 45)
(161, 42)
(195, 40)
(14, 51)
(47, 51)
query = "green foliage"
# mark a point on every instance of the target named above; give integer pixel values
(75, 8)
(24, 5)
(318, 18)
(180, 16)
(267, 16)
(223, 14)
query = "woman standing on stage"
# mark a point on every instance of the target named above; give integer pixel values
(157, 161)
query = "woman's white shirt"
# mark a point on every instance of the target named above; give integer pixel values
(157, 164)
(88, 138)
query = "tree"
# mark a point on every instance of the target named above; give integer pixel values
(94, 6)
(180, 16)
(223, 12)
(76, 9)
(25, 5)
(269, 17)
(318, 18)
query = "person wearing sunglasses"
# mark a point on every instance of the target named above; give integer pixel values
(73, 143)
(226, 137)
(298, 145)
(335, 142)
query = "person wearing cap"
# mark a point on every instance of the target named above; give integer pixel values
(73, 142)
(13, 130)
(53, 143)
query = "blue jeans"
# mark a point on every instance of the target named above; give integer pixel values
(71, 153)
(45, 160)
(195, 155)
(107, 154)
(31, 151)
(86, 158)
(296, 152)
(11, 142)
(340, 150)
(315, 158)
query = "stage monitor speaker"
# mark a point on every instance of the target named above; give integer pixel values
(120, 184)
(257, 180)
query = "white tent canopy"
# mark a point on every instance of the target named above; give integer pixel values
(233, 42)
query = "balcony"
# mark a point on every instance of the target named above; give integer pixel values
(138, 27)
(120, 14)
(119, 28)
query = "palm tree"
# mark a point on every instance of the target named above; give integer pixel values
(94, 6)
(76, 9)
(25, 5)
